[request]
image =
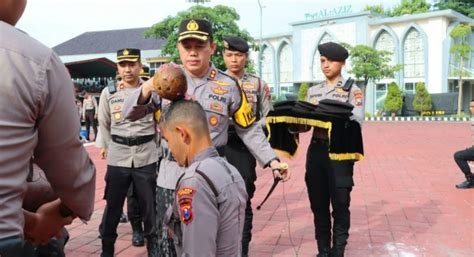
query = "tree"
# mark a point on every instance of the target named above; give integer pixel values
(302, 91)
(411, 7)
(461, 50)
(422, 100)
(465, 7)
(393, 100)
(370, 64)
(224, 22)
(377, 9)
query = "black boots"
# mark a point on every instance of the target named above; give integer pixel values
(137, 237)
(469, 183)
(108, 249)
(152, 246)
(323, 248)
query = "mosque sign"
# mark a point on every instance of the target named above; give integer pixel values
(329, 12)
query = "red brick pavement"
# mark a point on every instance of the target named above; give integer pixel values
(404, 203)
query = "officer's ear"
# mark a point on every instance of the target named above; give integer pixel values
(183, 134)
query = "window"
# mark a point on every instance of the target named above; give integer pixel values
(286, 64)
(267, 65)
(154, 66)
(414, 57)
(385, 43)
(380, 94)
(409, 88)
(317, 73)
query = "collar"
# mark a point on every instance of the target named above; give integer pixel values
(204, 154)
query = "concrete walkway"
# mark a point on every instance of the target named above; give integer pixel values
(404, 203)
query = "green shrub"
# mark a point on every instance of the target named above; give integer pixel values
(422, 100)
(302, 91)
(393, 100)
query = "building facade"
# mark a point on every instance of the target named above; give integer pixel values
(420, 42)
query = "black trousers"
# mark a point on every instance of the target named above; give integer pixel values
(133, 208)
(462, 157)
(90, 120)
(329, 183)
(13, 247)
(118, 180)
(239, 156)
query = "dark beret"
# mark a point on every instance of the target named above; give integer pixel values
(234, 43)
(333, 51)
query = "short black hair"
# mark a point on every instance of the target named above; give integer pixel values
(189, 112)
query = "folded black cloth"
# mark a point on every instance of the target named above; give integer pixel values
(344, 134)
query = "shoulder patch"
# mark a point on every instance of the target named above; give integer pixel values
(186, 192)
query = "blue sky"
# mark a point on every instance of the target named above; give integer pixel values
(55, 21)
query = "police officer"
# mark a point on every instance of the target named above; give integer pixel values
(329, 182)
(208, 211)
(131, 154)
(219, 95)
(144, 73)
(89, 114)
(38, 118)
(236, 51)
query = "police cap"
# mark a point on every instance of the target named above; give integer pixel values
(145, 73)
(195, 28)
(333, 51)
(128, 55)
(234, 43)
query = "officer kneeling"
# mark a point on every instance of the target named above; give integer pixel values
(207, 216)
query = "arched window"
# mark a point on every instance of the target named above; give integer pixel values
(267, 65)
(413, 55)
(385, 42)
(286, 64)
(317, 73)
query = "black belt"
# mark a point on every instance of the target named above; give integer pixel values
(131, 141)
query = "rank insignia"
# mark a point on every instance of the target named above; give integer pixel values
(213, 120)
(213, 73)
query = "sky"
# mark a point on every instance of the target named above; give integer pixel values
(55, 21)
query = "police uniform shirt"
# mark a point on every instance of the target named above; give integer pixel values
(38, 117)
(355, 97)
(211, 217)
(89, 103)
(258, 95)
(221, 98)
(112, 122)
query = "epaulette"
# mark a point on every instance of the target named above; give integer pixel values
(230, 77)
(112, 87)
(348, 85)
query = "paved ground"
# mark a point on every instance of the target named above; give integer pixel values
(404, 203)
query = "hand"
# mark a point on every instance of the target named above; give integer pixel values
(45, 223)
(103, 153)
(280, 170)
(147, 89)
(95, 116)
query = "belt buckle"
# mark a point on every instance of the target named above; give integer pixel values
(133, 140)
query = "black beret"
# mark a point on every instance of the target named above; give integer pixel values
(195, 28)
(128, 55)
(234, 43)
(333, 51)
